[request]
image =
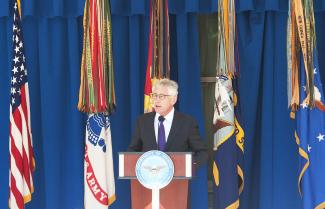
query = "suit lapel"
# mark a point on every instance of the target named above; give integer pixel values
(152, 135)
(173, 130)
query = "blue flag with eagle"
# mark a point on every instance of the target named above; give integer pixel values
(306, 99)
(310, 137)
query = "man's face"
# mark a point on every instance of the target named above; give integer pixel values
(163, 102)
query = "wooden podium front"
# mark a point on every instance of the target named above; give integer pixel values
(173, 196)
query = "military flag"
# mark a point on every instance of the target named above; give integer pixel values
(306, 100)
(158, 64)
(228, 144)
(310, 138)
(97, 98)
(98, 171)
(22, 162)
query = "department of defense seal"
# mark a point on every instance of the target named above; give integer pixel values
(154, 169)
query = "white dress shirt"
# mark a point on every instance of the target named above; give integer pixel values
(167, 123)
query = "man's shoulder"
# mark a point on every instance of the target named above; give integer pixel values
(184, 116)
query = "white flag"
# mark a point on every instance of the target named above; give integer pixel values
(98, 163)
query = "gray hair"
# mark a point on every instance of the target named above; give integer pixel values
(171, 85)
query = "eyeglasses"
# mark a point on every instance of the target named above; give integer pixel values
(159, 96)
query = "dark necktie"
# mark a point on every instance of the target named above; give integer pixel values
(161, 134)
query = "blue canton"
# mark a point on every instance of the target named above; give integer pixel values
(19, 71)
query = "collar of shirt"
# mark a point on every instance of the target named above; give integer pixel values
(167, 123)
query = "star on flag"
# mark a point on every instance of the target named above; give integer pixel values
(320, 137)
(309, 148)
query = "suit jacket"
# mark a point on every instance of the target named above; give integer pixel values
(183, 136)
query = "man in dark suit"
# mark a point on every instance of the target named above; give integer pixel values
(166, 129)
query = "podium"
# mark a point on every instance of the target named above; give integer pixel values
(173, 196)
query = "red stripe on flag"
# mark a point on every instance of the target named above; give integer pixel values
(26, 170)
(31, 154)
(18, 196)
(30, 147)
(17, 119)
(23, 104)
(18, 160)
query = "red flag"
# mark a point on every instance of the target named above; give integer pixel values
(158, 65)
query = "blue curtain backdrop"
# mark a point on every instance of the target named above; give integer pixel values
(53, 43)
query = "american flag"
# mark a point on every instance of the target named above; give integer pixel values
(22, 161)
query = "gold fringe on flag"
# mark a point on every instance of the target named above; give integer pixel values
(226, 42)
(158, 65)
(97, 91)
(301, 38)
